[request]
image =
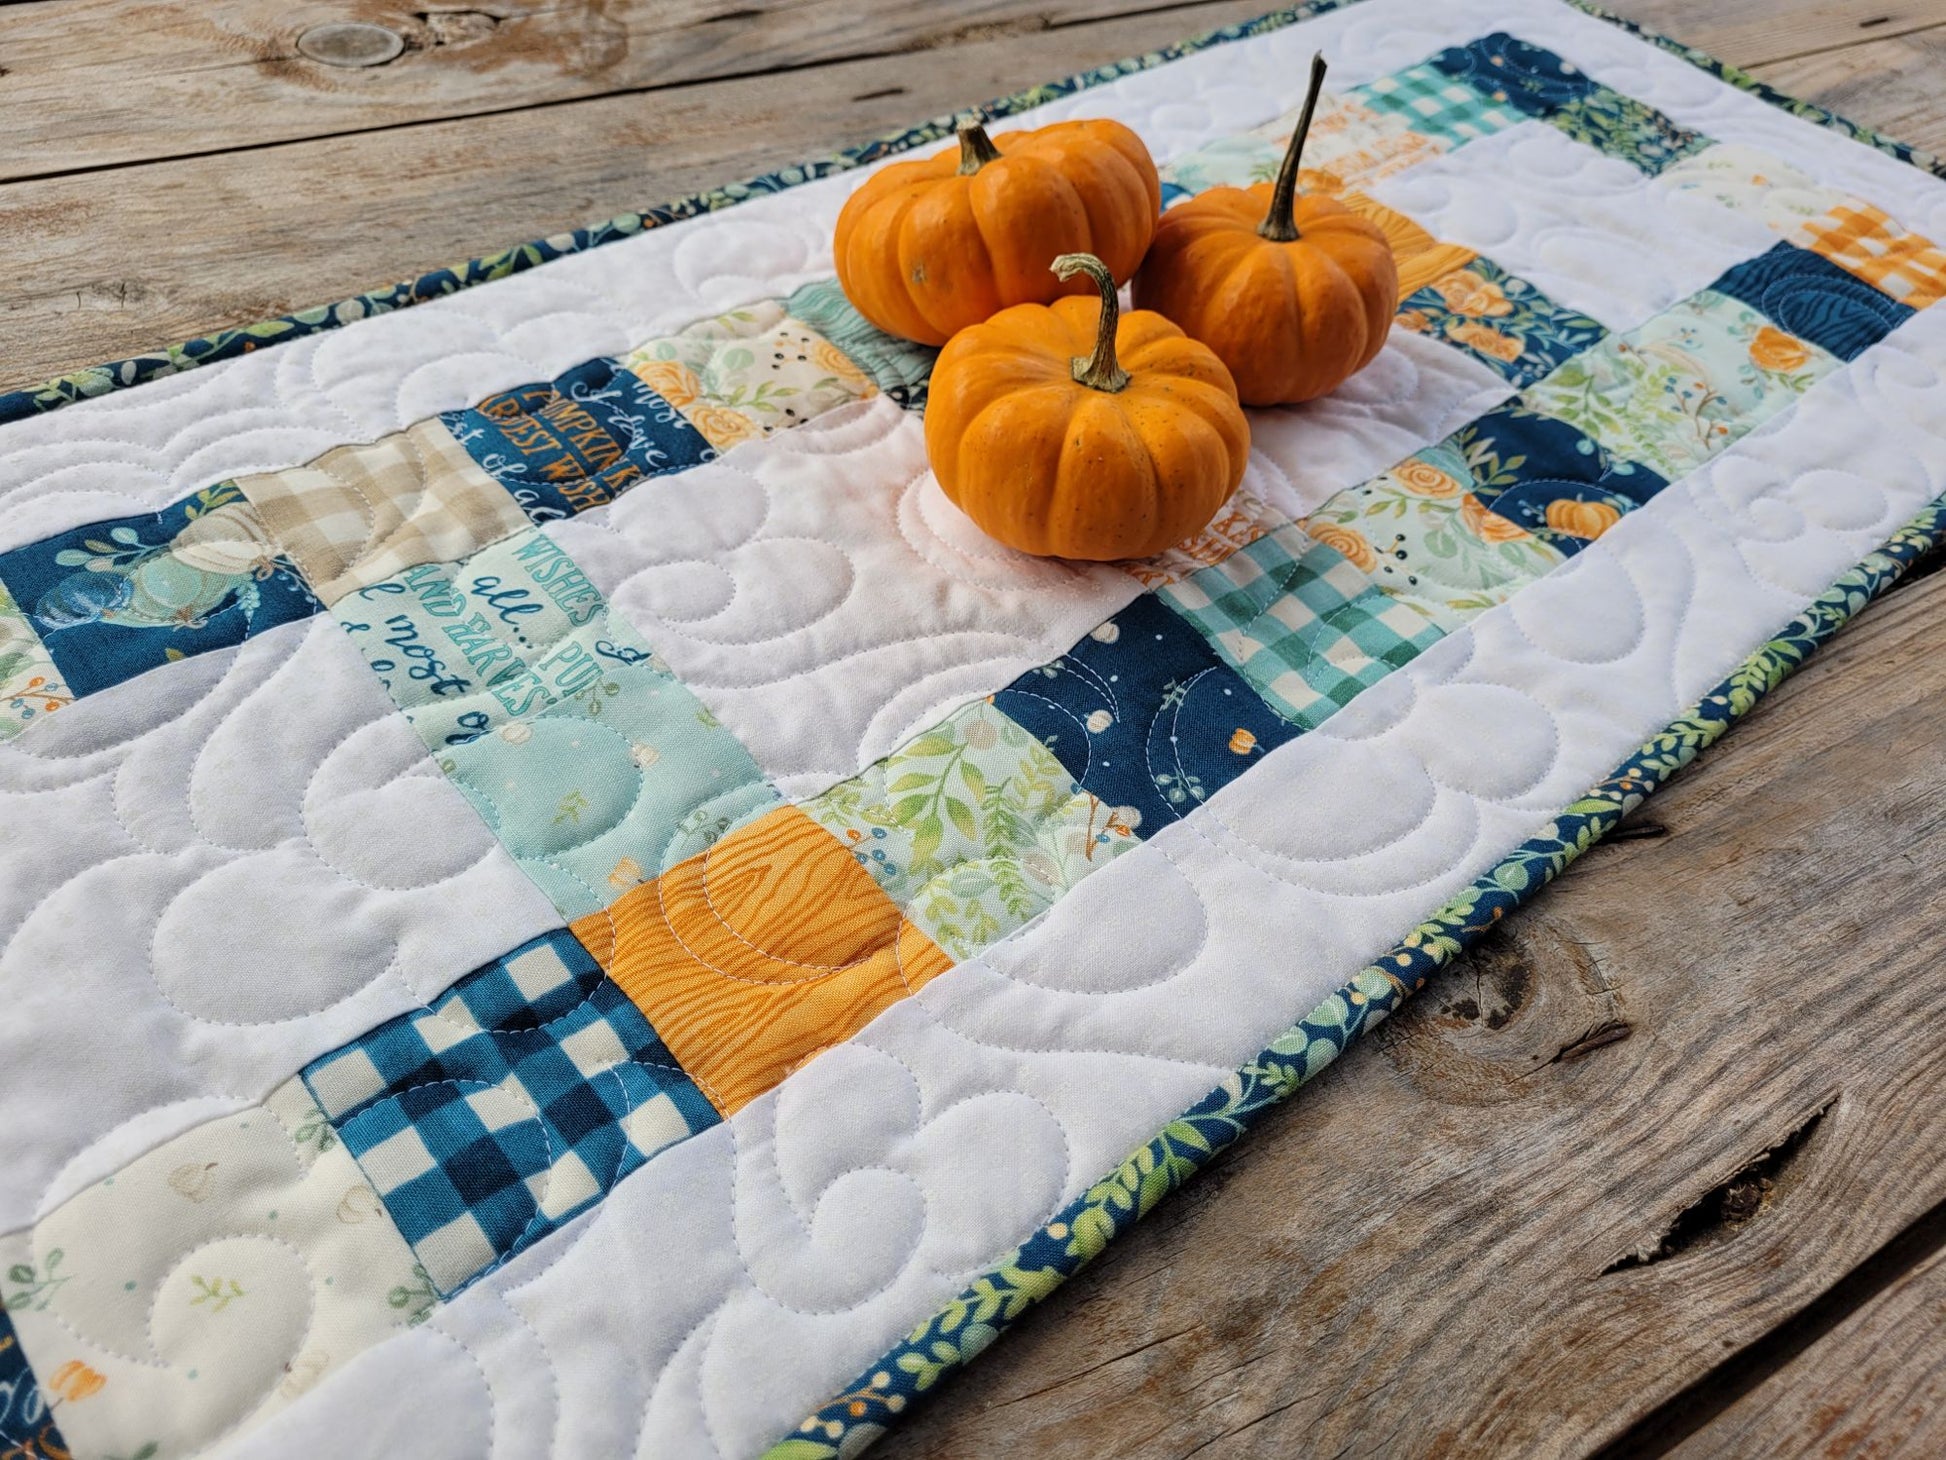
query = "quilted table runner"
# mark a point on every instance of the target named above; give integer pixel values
(557, 898)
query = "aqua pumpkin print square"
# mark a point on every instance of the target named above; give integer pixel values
(899, 367)
(594, 766)
(578, 441)
(1422, 536)
(972, 828)
(1145, 716)
(1680, 388)
(114, 599)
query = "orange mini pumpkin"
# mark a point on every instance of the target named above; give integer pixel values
(926, 248)
(1076, 431)
(1294, 293)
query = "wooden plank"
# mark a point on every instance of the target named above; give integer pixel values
(1893, 84)
(1761, 32)
(91, 83)
(103, 266)
(1874, 1386)
(1510, 1222)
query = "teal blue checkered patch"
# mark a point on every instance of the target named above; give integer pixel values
(1437, 104)
(1301, 623)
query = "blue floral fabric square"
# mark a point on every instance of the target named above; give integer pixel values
(523, 1094)
(1630, 130)
(114, 599)
(1812, 298)
(1145, 716)
(1517, 72)
(1549, 477)
(578, 441)
(1499, 319)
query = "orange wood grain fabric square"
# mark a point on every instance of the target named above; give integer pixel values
(751, 957)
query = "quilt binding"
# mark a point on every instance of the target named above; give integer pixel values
(969, 1323)
(114, 375)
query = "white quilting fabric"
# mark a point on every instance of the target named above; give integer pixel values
(257, 860)
(1591, 231)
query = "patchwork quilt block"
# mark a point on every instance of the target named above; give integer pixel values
(601, 915)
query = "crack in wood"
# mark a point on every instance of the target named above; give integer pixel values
(1724, 1211)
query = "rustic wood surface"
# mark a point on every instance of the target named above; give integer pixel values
(1657, 1170)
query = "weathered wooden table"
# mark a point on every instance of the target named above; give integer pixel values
(1659, 1169)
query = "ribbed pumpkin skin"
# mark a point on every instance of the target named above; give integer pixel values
(1050, 466)
(923, 251)
(1292, 321)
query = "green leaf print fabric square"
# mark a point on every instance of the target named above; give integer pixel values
(972, 828)
(1678, 389)
(1630, 130)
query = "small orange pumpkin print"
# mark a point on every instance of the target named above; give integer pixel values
(1242, 742)
(1581, 519)
(1772, 349)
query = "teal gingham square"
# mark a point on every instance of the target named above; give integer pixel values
(1301, 623)
(1437, 104)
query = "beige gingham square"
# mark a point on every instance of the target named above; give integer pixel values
(360, 514)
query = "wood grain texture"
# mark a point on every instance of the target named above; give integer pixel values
(1752, 33)
(1874, 1387)
(101, 269)
(92, 83)
(1473, 1236)
(1893, 84)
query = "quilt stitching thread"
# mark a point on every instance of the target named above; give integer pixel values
(1199, 676)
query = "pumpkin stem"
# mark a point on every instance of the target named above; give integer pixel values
(976, 148)
(1280, 224)
(1101, 370)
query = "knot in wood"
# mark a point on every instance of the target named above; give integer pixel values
(351, 43)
